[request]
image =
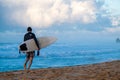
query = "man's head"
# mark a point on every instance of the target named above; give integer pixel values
(29, 29)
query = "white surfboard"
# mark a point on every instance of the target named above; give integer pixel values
(30, 45)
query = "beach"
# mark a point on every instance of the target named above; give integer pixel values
(99, 71)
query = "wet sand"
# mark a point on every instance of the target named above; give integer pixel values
(101, 71)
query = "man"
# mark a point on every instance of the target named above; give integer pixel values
(30, 55)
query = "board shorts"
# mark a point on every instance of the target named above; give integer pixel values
(30, 54)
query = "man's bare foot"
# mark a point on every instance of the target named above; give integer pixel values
(28, 71)
(24, 67)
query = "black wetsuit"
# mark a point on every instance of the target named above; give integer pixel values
(31, 35)
(28, 36)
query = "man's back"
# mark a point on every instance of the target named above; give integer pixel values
(28, 36)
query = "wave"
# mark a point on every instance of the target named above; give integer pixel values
(10, 50)
(12, 56)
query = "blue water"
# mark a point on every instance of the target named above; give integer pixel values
(58, 55)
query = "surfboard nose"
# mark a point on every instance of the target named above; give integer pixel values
(23, 47)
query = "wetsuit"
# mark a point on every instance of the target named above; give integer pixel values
(28, 36)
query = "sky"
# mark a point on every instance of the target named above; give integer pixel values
(80, 21)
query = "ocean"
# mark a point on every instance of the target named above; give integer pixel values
(58, 55)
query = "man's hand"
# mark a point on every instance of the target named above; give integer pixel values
(38, 49)
(38, 53)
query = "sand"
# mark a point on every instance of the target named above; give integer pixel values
(101, 71)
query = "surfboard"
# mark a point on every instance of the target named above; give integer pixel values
(30, 45)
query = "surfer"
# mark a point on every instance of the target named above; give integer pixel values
(30, 55)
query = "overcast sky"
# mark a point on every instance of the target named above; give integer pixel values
(72, 20)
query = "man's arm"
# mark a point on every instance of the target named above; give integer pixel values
(36, 41)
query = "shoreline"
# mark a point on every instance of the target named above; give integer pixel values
(98, 71)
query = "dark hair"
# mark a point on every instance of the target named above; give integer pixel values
(29, 29)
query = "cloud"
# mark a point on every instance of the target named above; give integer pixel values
(83, 11)
(115, 20)
(112, 30)
(112, 11)
(44, 13)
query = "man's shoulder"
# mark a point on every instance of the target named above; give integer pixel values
(26, 34)
(32, 34)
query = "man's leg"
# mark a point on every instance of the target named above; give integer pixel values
(31, 59)
(30, 62)
(27, 59)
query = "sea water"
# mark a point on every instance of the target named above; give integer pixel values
(58, 55)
